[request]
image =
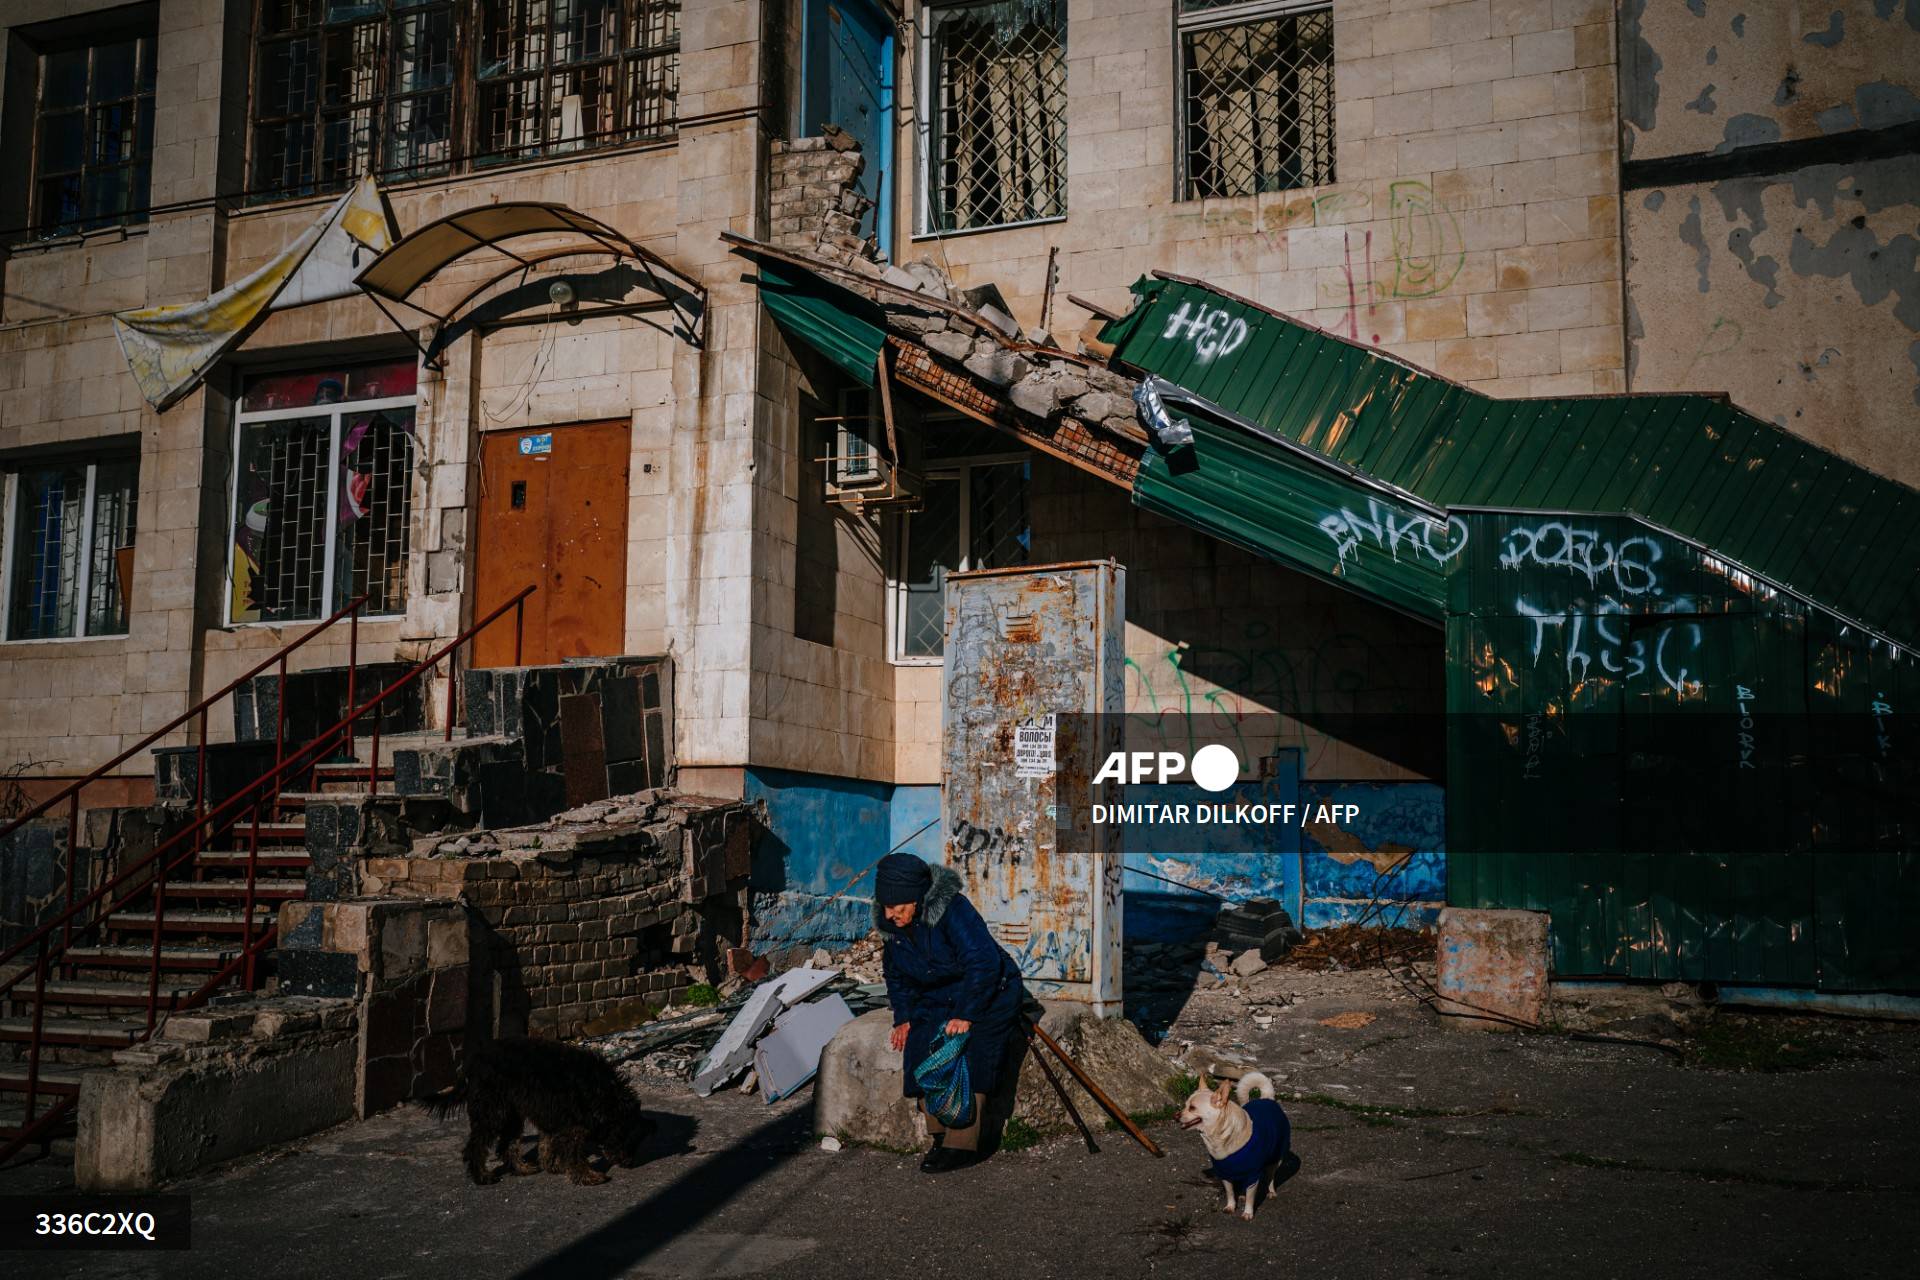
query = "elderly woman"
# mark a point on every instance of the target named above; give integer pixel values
(945, 974)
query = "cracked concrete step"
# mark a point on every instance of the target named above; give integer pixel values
(92, 1033)
(98, 992)
(59, 1082)
(281, 832)
(172, 956)
(193, 921)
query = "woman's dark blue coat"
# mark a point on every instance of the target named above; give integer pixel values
(946, 965)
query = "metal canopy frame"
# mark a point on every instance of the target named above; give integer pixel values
(447, 240)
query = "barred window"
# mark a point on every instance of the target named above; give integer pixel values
(1257, 93)
(973, 515)
(564, 75)
(997, 113)
(322, 492)
(346, 87)
(69, 554)
(412, 88)
(93, 132)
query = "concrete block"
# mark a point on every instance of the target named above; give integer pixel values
(1492, 968)
(857, 1096)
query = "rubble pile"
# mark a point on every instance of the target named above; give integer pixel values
(818, 212)
(1360, 946)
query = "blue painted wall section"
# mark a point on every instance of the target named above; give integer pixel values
(823, 830)
(820, 831)
(1237, 861)
(1395, 849)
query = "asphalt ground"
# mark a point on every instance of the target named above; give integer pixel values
(1425, 1151)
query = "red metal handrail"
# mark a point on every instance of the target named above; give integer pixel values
(72, 792)
(195, 836)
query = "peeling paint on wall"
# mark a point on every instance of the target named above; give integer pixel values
(1835, 32)
(1690, 234)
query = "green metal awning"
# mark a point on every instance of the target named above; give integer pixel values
(1276, 499)
(836, 322)
(1767, 501)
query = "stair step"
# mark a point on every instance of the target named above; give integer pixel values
(285, 859)
(139, 957)
(54, 1081)
(192, 921)
(90, 992)
(236, 890)
(89, 1032)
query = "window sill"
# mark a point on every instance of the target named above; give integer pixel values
(365, 621)
(917, 662)
(266, 203)
(922, 237)
(99, 235)
(10, 642)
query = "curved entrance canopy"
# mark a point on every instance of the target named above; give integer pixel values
(398, 274)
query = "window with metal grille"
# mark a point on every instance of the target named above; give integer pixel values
(973, 516)
(346, 87)
(322, 493)
(93, 131)
(565, 75)
(996, 96)
(69, 557)
(1257, 97)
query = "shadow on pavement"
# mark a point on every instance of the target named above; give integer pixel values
(680, 1206)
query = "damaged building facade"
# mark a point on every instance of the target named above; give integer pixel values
(733, 327)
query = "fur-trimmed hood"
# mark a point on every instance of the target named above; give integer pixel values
(945, 888)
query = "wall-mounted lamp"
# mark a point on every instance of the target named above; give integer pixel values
(560, 293)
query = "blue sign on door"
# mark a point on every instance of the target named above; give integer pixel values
(542, 443)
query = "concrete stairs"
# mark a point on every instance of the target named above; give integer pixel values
(97, 1001)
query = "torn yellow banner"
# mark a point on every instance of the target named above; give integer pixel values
(170, 349)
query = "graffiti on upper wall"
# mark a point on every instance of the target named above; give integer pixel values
(1428, 251)
(995, 846)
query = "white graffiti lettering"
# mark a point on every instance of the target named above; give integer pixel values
(1212, 330)
(1389, 531)
(1613, 652)
(1629, 565)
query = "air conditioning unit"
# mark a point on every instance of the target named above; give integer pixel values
(860, 472)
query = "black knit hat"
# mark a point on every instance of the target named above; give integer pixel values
(899, 878)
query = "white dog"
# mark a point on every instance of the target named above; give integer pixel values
(1248, 1137)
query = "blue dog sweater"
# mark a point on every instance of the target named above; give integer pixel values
(1265, 1147)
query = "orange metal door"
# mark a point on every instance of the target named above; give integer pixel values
(553, 512)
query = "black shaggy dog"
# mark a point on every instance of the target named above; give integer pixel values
(571, 1095)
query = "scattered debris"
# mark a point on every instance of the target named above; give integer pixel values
(829, 1143)
(789, 1055)
(1352, 1020)
(1352, 946)
(751, 1082)
(1248, 963)
(731, 1053)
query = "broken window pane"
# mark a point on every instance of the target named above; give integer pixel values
(280, 519)
(322, 500)
(72, 536)
(94, 135)
(562, 75)
(110, 581)
(348, 87)
(376, 473)
(999, 113)
(1258, 105)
